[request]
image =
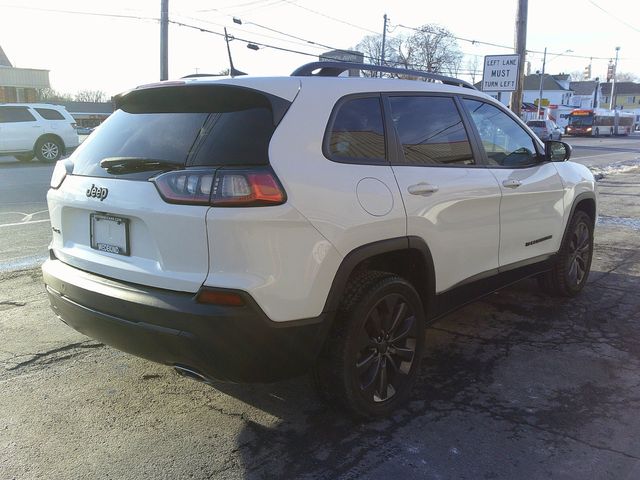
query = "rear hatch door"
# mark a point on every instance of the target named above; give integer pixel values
(108, 216)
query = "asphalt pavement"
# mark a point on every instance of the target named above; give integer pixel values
(515, 386)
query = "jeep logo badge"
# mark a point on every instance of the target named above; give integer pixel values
(97, 192)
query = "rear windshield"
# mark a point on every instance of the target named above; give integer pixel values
(168, 129)
(536, 123)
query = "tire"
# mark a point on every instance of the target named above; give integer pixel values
(597, 132)
(570, 270)
(372, 355)
(559, 138)
(48, 149)
(25, 157)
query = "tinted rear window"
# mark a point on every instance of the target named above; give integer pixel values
(431, 131)
(535, 123)
(357, 133)
(161, 136)
(49, 114)
(173, 130)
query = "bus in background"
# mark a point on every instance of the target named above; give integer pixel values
(598, 121)
(559, 114)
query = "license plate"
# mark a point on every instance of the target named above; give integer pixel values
(109, 234)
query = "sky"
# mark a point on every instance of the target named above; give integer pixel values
(92, 45)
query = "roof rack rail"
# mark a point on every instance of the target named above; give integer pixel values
(333, 69)
(198, 75)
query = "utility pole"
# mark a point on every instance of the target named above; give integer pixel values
(384, 40)
(164, 39)
(521, 49)
(612, 102)
(544, 62)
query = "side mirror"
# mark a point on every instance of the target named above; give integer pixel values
(555, 151)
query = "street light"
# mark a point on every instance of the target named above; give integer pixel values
(544, 61)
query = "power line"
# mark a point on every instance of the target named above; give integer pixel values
(480, 42)
(290, 2)
(613, 16)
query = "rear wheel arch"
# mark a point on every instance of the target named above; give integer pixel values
(408, 257)
(51, 136)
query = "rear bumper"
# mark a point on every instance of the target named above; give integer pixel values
(238, 344)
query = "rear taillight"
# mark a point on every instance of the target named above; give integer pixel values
(249, 187)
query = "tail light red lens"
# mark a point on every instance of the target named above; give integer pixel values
(250, 187)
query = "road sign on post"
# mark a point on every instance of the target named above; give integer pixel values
(500, 73)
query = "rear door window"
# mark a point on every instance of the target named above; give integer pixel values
(431, 131)
(357, 132)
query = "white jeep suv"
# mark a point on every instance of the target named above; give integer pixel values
(36, 129)
(252, 229)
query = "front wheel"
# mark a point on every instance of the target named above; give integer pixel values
(570, 270)
(372, 356)
(48, 150)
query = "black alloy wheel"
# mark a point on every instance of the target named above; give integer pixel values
(371, 357)
(570, 270)
(387, 348)
(579, 251)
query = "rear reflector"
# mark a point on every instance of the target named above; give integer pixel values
(248, 187)
(215, 297)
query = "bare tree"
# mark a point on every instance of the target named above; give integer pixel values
(627, 77)
(371, 47)
(576, 76)
(435, 49)
(91, 96)
(51, 95)
(473, 65)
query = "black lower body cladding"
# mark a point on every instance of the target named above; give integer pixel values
(237, 344)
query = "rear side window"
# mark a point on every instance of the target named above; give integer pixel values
(49, 114)
(15, 114)
(357, 132)
(431, 131)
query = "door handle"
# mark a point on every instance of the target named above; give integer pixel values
(511, 183)
(422, 188)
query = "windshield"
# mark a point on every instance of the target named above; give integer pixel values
(581, 120)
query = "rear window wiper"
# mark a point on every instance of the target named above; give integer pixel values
(117, 165)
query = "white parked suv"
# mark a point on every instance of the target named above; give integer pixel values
(251, 229)
(36, 129)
